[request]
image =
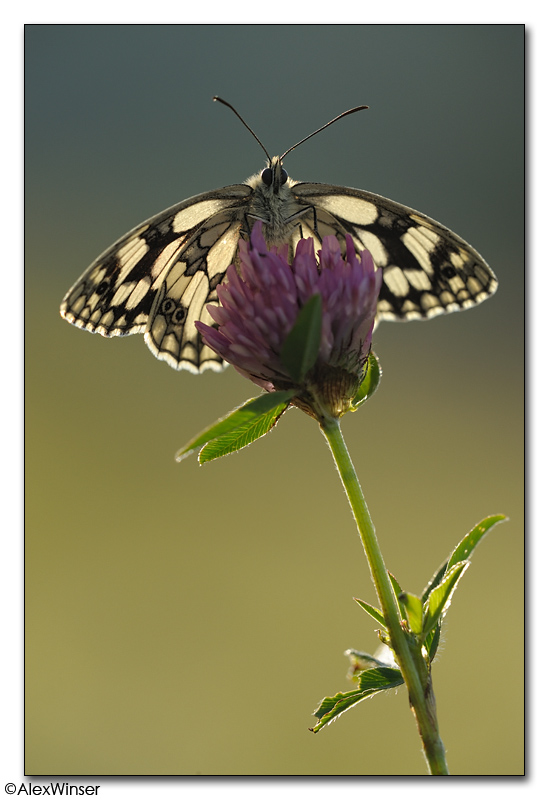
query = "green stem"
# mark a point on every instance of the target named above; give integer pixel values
(414, 670)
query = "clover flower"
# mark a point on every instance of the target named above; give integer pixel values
(259, 307)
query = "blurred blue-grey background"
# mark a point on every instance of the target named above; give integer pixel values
(187, 620)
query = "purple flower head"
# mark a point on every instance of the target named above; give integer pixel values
(261, 301)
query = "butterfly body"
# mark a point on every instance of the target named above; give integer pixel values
(158, 278)
(273, 203)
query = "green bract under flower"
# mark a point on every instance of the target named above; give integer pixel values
(260, 306)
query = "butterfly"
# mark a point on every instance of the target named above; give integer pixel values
(159, 277)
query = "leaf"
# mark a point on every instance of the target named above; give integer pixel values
(372, 611)
(380, 678)
(432, 641)
(465, 548)
(244, 416)
(371, 681)
(463, 551)
(361, 661)
(435, 580)
(439, 599)
(413, 608)
(396, 585)
(397, 589)
(369, 383)
(300, 350)
(332, 707)
(241, 437)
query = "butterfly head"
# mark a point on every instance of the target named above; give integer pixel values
(274, 175)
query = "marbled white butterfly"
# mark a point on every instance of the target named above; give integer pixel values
(158, 278)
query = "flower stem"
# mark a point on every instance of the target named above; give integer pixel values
(413, 667)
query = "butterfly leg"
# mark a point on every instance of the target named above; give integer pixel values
(254, 218)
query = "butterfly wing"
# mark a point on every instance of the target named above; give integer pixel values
(157, 278)
(427, 269)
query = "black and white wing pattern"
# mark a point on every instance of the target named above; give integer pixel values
(427, 269)
(158, 278)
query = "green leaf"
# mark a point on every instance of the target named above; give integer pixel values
(396, 585)
(397, 589)
(241, 437)
(332, 707)
(463, 551)
(465, 548)
(369, 383)
(245, 416)
(300, 350)
(371, 681)
(432, 641)
(435, 580)
(413, 608)
(439, 599)
(372, 611)
(380, 678)
(361, 661)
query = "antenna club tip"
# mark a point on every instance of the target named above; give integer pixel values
(219, 99)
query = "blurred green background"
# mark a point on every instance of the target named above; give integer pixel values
(187, 620)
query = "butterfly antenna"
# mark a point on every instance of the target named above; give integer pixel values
(331, 122)
(258, 140)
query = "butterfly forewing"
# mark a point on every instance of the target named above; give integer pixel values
(158, 279)
(427, 269)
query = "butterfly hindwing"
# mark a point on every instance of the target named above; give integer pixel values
(158, 275)
(159, 278)
(187, 286)
(427, 269)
